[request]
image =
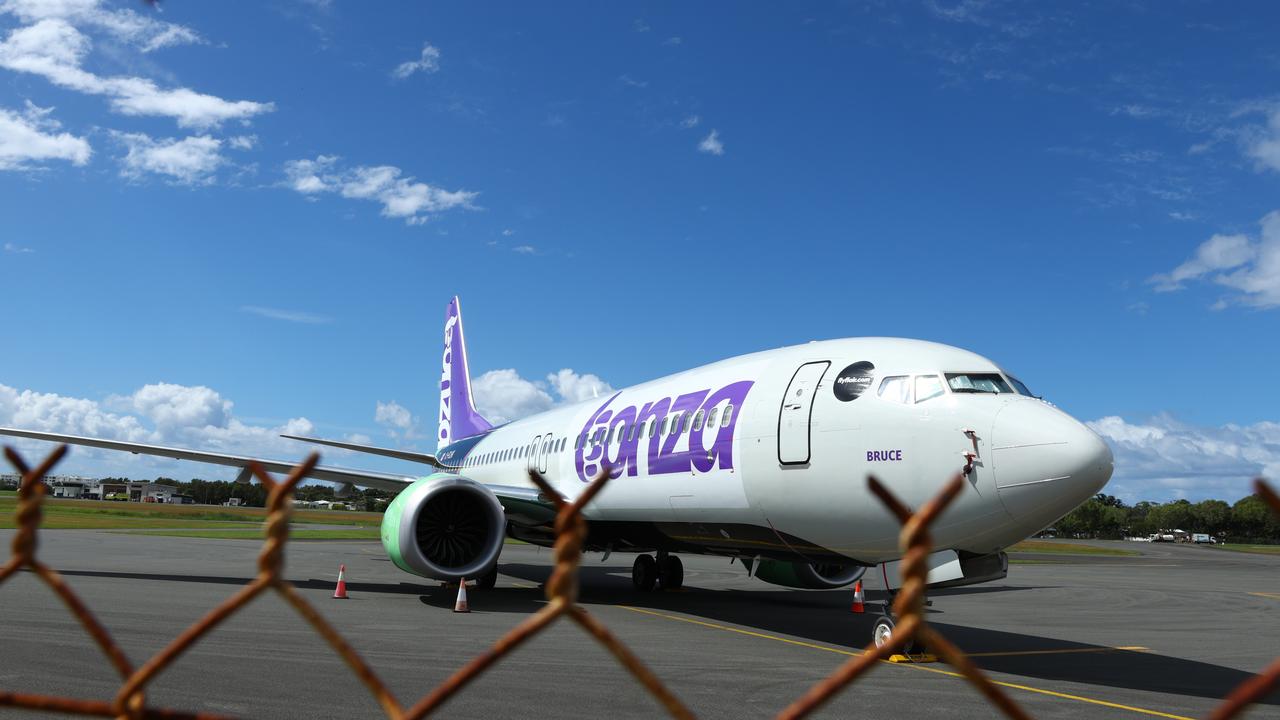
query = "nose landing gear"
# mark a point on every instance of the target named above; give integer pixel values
(667, 572)
(882, 631)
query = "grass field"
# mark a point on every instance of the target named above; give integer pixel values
(1257, 549)
(106, 515)
(1062, 548)
(256, 534)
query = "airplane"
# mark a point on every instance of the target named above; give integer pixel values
(760, 458)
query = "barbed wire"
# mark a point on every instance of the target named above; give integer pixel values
(561, 590)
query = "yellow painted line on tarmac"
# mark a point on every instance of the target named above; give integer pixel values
(1062, 651)
(740, 631)
(1273, 596)
(925, 668)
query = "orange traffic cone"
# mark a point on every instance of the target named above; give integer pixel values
(857, 598)
(340, 592)
(461, 604)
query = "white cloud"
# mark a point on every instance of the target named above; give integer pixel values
(1163, 458)
(287, 315)
(525, 249)
(17, 249)
(53, 48)
(401, 197)
(161, 414)
(711, 144)
(1263, 144)
(31, 136)
(171, 406)
(1250, 267)
(691, 121)
(427, 62)
(572, 387)
(243, 142)
(397, 421)
(146, 33)
(190, 161)
(502, 395)
(673, 40)
(632, 82)
(640, 25)
(394, 415)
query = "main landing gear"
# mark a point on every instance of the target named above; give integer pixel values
(667, 572)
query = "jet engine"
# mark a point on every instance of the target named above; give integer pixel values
(444, 527)
(816, 576)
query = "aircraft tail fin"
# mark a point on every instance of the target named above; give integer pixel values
(458, 416)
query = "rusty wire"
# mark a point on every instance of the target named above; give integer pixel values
(917, 544)
(562, 596)
(1258, 686)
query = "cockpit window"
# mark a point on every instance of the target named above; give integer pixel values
(896, 389)
(1022, 389)
(978, 383)
(928, 386)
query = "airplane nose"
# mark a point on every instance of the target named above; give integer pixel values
(1045, 462)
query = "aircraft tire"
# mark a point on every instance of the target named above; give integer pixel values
(671, 573)
(882, 631)
(644, 573)
(488, 580)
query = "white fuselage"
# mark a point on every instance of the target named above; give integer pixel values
(807, 424)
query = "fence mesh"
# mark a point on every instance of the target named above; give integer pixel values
(562, 595)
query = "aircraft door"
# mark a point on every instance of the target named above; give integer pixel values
(547, 443)
(795, 414)
(531, 461)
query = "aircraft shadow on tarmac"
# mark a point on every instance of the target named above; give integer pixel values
(772, 611)
(790, 612)
(312, 584)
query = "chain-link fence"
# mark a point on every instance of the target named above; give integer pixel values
(562, 596)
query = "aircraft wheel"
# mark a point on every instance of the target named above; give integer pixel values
(882, 632)
(671, 574)
(644, 573)
(488, 580)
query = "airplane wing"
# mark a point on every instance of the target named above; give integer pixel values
(425, 458)
(363, 478)
(521, 503)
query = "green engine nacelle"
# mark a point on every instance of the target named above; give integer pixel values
(444, 527)
(806, 576)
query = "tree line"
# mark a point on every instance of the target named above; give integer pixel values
(1249, 520)
(218, 492)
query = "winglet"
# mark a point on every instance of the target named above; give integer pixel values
(458, 416)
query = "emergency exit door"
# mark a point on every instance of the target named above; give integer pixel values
(794, 417)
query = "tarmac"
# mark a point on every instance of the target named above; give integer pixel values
(1164, 634)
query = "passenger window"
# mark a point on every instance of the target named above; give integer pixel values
(697, 421)
(728, 415)
(665, 421)
(653, 427)
(896, 389)
(711, 417)
(928, 386)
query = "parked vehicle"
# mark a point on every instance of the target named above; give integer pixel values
(1203, 539)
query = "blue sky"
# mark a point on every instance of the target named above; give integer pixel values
(221, 221)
